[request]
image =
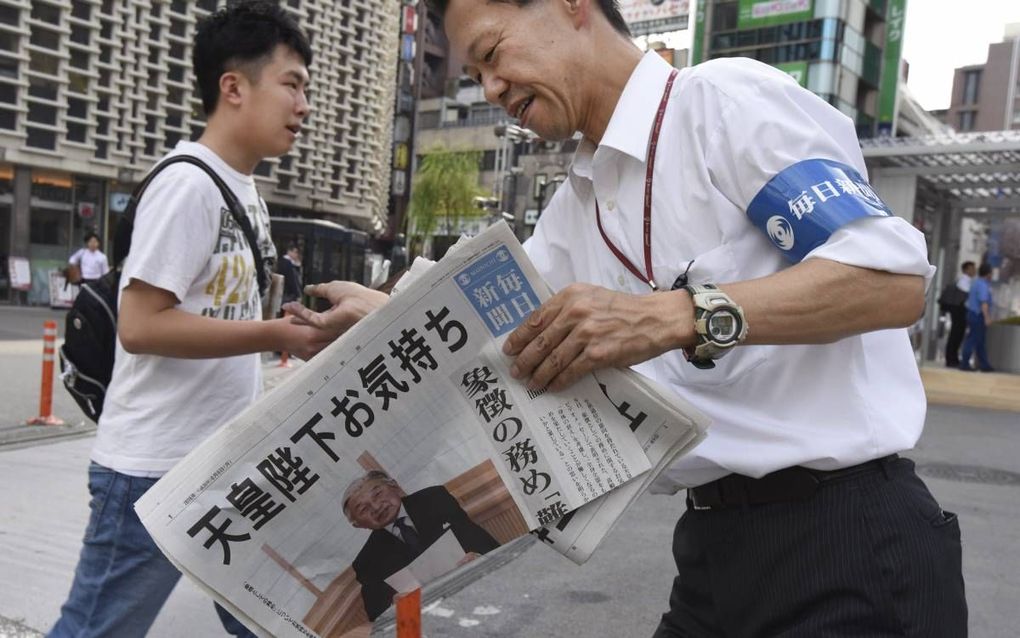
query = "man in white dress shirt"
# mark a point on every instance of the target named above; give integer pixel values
(724, 210)
(91, 261)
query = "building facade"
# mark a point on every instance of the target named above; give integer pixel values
(846, 51)
(986, 97)
(93, 92)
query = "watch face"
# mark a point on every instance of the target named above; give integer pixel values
(723, 326)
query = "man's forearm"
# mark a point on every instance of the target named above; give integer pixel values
(176, 333)
(821, 301)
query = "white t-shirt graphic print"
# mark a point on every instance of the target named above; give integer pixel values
(185, 241)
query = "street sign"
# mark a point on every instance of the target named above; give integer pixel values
(655, 16)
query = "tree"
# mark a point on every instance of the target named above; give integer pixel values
(445, 188)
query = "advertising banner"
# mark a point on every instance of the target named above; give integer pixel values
(797, 70)
(766, 13)
(894, 19)
(655, 16)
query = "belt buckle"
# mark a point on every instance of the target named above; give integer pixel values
(693, 496)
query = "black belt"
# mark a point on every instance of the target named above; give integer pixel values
(789, 484)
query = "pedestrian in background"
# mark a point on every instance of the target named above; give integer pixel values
(953, 301)
(979, 317)
(189, 330)
(89, 262)
(290, 268)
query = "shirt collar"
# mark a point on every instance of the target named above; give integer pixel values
(393, 529)
(631, 123)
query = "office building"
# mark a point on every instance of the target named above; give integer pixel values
(846, 51)
(986, 97)
(93, 92)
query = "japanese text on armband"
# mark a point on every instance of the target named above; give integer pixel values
(498, 291)
(804, 204)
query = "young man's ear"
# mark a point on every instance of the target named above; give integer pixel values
(230, 87)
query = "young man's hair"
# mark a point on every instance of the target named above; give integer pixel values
(609, 8)
(965, 265)
(242, 38)
(90, 235)
(985, 270)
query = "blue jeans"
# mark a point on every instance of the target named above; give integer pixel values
(975, 341)
(122, 579)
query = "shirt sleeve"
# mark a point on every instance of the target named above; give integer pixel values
(76, 257)
(176, 227)
(763, 123)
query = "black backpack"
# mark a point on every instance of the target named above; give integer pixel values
(90, 334)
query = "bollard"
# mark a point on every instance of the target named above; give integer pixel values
(409, 615)
(284, 355)
(46, 390)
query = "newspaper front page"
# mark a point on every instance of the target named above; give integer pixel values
(405, 451)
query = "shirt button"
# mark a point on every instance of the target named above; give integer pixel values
(611, 204)
(619, 280)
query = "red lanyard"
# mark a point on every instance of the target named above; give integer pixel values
(648, 278)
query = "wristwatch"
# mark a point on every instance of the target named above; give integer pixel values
(718, 323)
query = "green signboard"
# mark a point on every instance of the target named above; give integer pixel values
(894, 19)
(698, 43)
(766, 13)
(797, 70)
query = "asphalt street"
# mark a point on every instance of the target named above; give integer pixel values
(967, 456)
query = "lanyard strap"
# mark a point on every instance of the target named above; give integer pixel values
(647, 277)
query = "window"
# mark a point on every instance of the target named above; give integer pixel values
(77, 107)
(44, 63)
(81, 10)
(45, 12)
(966, 121)
(45, 38)
(9, 41)
(76, 132)
(971, 81)
(40, 138)
(79, 34)
(42, 113)
(8, 119)
(8, 93)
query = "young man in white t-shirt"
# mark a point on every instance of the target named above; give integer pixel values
(190, 330)
(90, 260)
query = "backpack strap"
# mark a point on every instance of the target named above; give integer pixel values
(122, 236)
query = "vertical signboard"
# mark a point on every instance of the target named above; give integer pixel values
(698, 43)
(887, 103)
(766, 13)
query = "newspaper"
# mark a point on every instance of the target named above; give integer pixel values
(405, 451)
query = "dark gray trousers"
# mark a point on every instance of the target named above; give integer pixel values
(871, 555)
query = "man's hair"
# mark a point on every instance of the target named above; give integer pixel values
(90, 235)
(241, 37)
(358, 483)
(609, 8)
(965, 265)
(985, 270)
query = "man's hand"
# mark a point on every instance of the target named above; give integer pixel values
(301, 340)
(585, 328)
(467, 558)
(350, 304)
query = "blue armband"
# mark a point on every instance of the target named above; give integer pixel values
(804, 204)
